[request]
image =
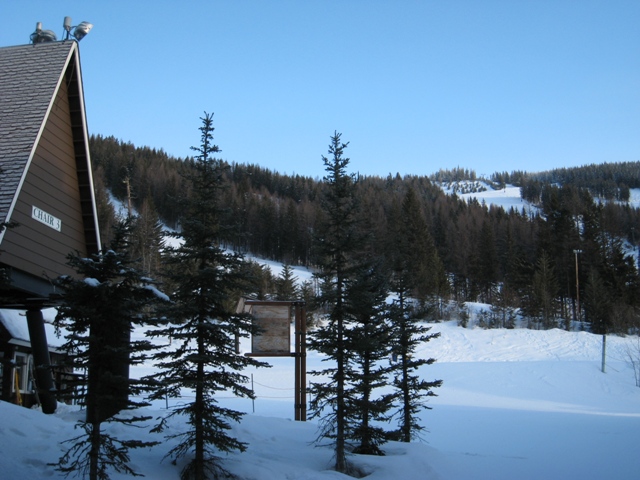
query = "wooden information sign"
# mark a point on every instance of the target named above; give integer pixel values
(272, 334)
(272, 338)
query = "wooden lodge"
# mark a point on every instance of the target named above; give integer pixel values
(17, 385)
(46, 196)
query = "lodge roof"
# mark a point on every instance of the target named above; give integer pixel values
(29, 78)
(15, 324)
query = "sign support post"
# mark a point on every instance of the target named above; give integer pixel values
(274, 340)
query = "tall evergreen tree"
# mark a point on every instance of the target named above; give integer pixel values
(545, 290)
(286, 284)
(486, 263)
(407, 333)
(148, 239)
(411, 236)
(367, 342)
(105, 211)
(337, 245)
(98, 312)
(597, 303)
(202, 321)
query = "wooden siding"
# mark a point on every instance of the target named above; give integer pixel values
(51, 184)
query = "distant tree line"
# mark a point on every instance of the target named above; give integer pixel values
(518, 259)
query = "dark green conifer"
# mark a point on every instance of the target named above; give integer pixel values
(337, 244)
(202, 322)
(286, 284)
(368, 343)
(98, 312)
(407, 331)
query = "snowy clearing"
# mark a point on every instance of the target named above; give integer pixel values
(515, 404)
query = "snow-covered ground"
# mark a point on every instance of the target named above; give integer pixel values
(505, 197)
(515, 404)
(509, 196)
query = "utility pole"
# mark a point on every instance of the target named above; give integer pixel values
(129, 206)
(577, 315)
(633, 236)
(604, 352)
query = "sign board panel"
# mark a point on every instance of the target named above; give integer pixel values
(46, 218)
(273, 329)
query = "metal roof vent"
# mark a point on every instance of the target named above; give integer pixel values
(42, 36)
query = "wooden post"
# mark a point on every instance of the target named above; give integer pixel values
(297, 337)
(40, 350)
(303, 363)
(577, 292)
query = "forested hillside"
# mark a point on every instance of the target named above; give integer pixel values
(517, 259)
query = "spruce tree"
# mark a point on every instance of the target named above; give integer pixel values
(286, 284)
(148, 239)
(410, 237)
(407, 331)
(98, 312)
(337, 243)
(597, 304)
(545, 291)
(202, 322)
(355, 336)
(367, 343)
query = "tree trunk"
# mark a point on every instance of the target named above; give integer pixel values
(94, 454)
(341, 462)
(365, 444)
(406, 400)
(199, 407)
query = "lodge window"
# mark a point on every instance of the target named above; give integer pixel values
(22, 372)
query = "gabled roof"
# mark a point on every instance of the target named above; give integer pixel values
(30, 78)
(45, 166)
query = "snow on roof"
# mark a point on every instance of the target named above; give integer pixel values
(15, 321)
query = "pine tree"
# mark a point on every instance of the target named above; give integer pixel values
(545, 289)
(202, 322)
(410, 237)
(337, 245)
(286, 284)
(367, 342)
(486, 263)
(407, 333)
(597, 303)
(148, 239)
(98, 312)
(105, 211)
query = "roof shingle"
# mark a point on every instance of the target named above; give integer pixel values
(29, 76)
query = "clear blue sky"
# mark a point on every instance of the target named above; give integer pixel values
(414, 86)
